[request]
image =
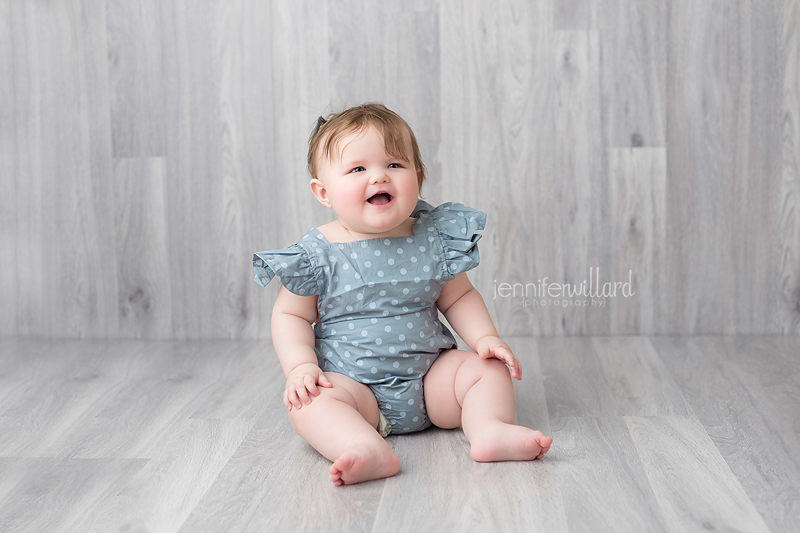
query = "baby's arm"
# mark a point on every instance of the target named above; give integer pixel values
(293, 339)
(466, 311)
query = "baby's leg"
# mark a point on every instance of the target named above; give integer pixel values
(463, 389)
(340, 424)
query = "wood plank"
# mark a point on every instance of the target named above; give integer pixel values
(593, 454)
(248, 202)
(785, 273)
(136, 78)
(9, 169)
(636, 231)
(142, 248)
(193, 155)
(694, 487)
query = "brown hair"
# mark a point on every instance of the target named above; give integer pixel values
(388, 123)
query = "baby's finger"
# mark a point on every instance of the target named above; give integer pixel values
(324, 381)
(484, 352)
(293, 399)
(311, 385)
(303, 394)
(286, 401)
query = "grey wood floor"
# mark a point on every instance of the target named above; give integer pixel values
(651, 434)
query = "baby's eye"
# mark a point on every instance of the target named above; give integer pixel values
(395, 165)
(358, 169)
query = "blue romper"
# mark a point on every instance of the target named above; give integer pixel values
(377, 302)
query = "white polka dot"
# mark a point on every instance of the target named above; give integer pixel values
(421, 335)
(372, 305)
(346, 353)
(355, 343)
(377, 253)
(380, 273)
(390, 261)
(349, 307)
(396, 396)
(395, 302)
(426, 268)
(332, 259)
(382, 293)
(345, 266)
(413, 259)
(335, 344)
(283, 265)
(403, 271)
(341, 364)
(378, 341)
(351, 325)
(410, 325)
(415, 419)
(413, 346)
(394, 282)
(421, 249)
(416, 280)
(402, 337)
(392, 349)
(396, 364)
(386, 313)
(400, 251)
(427, 288)
(367, 264)
(360, 363)
(364, 244)
(405, 291)
(363, 333)
(368, 353)
(409, 240)
(360, 295)
(402, 414)
(387, 242)
(463, 230)
(405, 309)
(388, 329)
(347, 287)
(373, 370)
(411, 401)
(428, 362)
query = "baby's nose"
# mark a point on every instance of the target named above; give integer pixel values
(380, 177)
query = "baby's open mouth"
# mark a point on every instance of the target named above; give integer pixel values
(382, 198)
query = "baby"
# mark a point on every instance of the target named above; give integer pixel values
(355, 324)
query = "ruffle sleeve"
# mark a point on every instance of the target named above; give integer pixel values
(456, 225)
(294, 267)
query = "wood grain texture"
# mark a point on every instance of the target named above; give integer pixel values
(694, 487)
(192, 436)
(739, 418)
(563, 121)
(591, 456)
(143, 278)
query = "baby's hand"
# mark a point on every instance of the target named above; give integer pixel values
(301, 384)
(492, 346)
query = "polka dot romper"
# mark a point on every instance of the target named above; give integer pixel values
(377, 302)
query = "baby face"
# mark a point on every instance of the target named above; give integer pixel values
(371, 192)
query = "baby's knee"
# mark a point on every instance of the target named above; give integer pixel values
(495, 368)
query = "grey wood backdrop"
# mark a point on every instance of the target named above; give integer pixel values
(149, 147)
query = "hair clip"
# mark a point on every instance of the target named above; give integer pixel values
(320, 122)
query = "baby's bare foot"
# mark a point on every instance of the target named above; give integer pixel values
(507, 442)
(363, 463)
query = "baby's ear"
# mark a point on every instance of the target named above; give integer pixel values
(319, 191)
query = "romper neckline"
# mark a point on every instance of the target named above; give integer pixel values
(416, 214)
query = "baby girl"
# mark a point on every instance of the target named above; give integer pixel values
(355, 324)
